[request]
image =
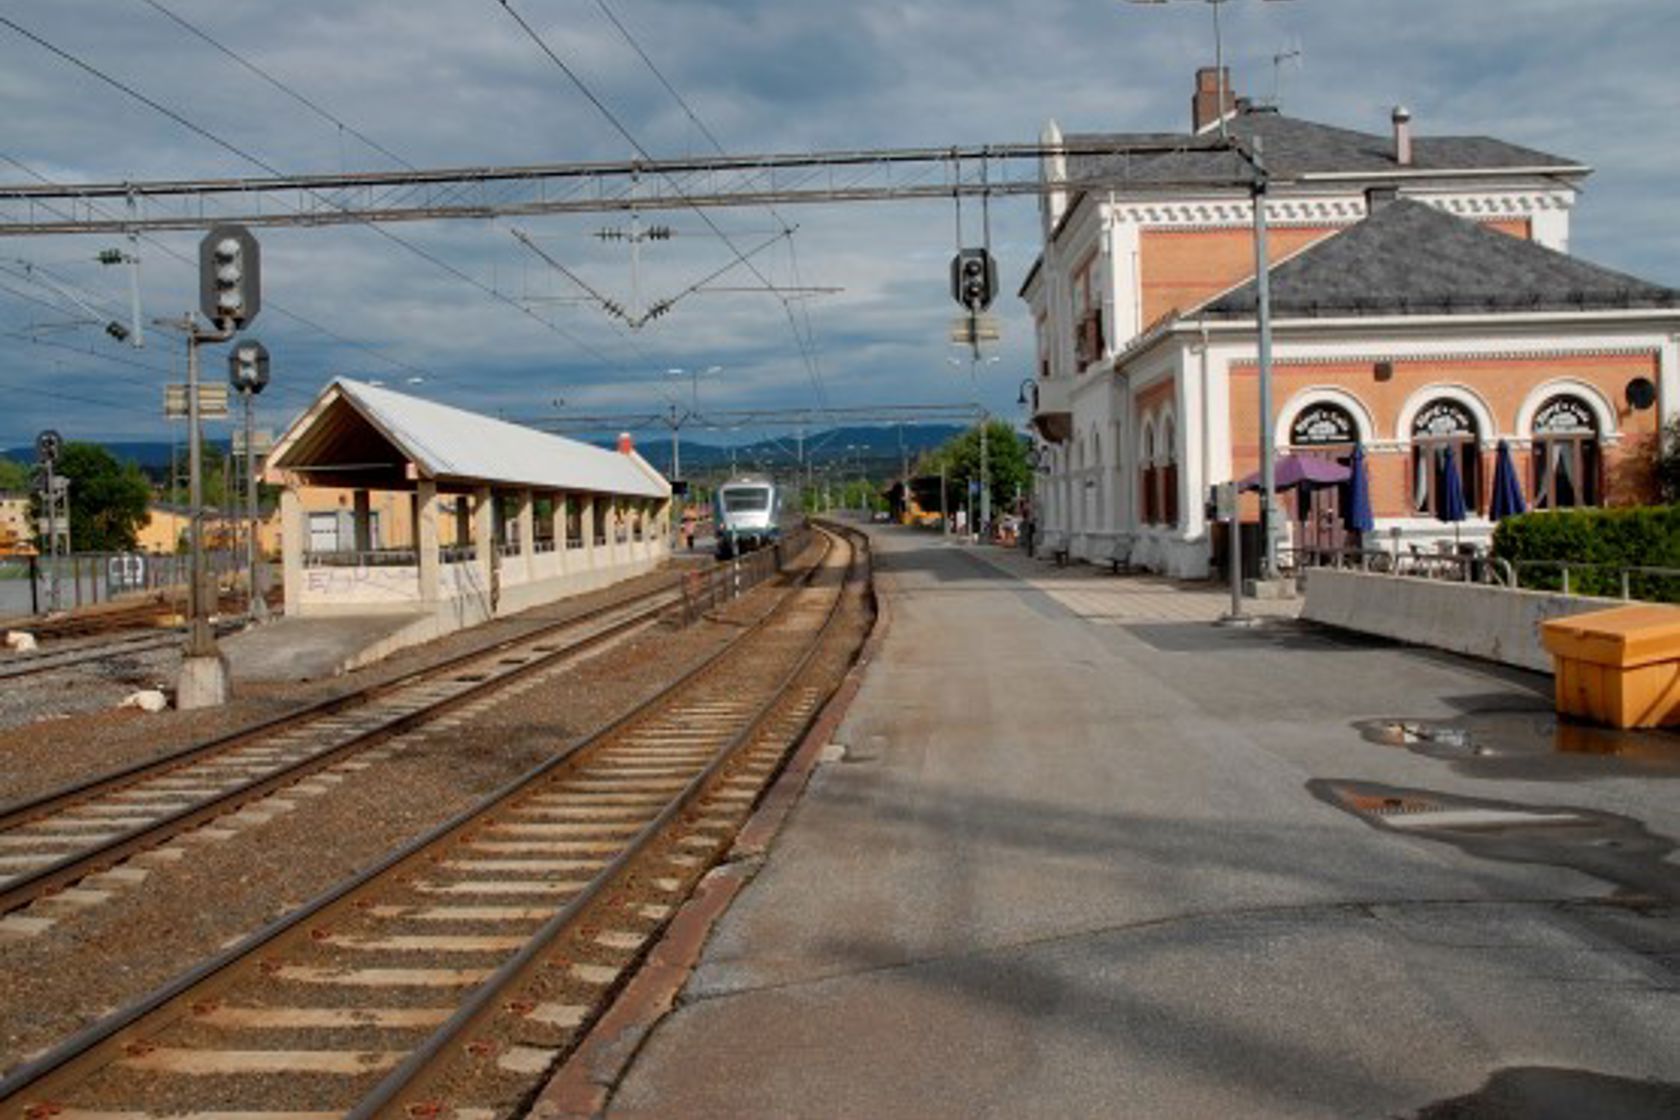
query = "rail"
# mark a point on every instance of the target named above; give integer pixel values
(89, 1049)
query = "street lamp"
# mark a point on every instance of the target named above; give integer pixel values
(1023, 400)
(1263, 306)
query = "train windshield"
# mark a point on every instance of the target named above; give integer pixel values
(740, 501)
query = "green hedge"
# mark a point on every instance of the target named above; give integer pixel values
(1639, 537)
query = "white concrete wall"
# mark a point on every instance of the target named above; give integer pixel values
(1493, 623)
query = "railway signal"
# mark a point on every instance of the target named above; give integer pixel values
(974, 281)
(248, 374)
(230, 282)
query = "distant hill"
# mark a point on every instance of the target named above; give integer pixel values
(150, 455)
(876, 447)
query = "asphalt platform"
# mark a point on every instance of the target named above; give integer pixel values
(1084, 856)
(304, 649)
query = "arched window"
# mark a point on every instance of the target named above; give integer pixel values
(1167, 453)
(1444, 432)
(1567, 464)
(1146, 463)
(1324, 424)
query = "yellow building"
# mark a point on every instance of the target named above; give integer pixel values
(16, 534)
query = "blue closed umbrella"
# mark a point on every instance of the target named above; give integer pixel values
(1452, 492)
(1507, 493)
(1359, 517)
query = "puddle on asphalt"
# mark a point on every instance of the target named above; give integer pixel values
(1551, 1093)
(1617, 849)
(1531, 744)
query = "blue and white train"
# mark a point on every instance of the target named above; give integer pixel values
(748, 514)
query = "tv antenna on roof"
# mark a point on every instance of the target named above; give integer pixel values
(1295, 54)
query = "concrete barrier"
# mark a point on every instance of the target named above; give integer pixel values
(1494, 623)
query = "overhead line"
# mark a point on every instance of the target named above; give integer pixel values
(805, 342)
(229, 146)
(612, 118)
(307, 103)
(170, 251)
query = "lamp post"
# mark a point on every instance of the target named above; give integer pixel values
(1263, 305)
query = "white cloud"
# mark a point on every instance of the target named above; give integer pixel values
(456, 82)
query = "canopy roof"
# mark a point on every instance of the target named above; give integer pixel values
(357, 434)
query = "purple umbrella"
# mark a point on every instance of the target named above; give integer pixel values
(1293, 470)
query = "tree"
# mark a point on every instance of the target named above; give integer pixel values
(1007, 467)
(108, 499)
(14, 476)
(1666, 450)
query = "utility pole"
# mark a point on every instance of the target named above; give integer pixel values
(1263, 301)
(47, 446)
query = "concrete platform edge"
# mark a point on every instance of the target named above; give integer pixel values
(584, 1084)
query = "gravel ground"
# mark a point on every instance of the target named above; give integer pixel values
(110, 954)
(65, 725)
(478, 1080)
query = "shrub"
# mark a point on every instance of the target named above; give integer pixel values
(1596, 544)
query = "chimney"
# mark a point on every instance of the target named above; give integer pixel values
(625, 446)
(1402, 118)
(1052, 168)
(1207, 106)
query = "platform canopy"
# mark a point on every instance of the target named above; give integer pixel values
(364, 436)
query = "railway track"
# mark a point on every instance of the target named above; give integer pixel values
(450, 977)
(52, 841)
(46, 661)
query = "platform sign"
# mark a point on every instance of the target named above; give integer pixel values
(970, 329)
(212, 402)
(262, 442)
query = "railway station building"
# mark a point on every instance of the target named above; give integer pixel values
(1424, 308)
(451, 515)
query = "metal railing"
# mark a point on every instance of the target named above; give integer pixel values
(1636, 582)
(87, 578)
(364, 558)
(705, 589)
(1459, 566)
(1649, 583)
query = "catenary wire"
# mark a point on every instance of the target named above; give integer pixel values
(618, 125)
(229, 146)
(806, 341)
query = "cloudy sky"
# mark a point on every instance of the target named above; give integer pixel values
(456, 82)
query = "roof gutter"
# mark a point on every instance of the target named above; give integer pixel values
(1444, 173)
(1507, 318)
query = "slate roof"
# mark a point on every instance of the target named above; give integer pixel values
(453, 444)
(1411, 259)
(1295, 147)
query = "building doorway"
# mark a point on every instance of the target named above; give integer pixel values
(1325, 430)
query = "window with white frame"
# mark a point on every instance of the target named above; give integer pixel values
(1567, 463)
(1445, 436)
